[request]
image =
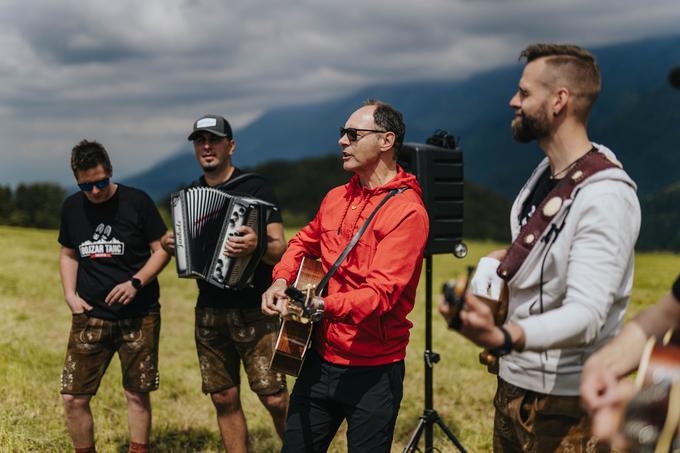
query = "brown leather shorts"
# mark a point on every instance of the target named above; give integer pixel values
(93, 342)
(227, 337)
(527, 421)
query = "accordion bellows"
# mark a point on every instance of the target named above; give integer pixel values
(203, 220)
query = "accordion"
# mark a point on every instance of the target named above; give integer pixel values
(203, 220)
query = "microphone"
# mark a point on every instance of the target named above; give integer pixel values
(674, 77)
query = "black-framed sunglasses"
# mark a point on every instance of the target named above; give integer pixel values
(352, 132)
(89, 186)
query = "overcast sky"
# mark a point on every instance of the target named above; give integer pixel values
(135, 74)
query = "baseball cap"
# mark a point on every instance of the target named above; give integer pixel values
(214, 124)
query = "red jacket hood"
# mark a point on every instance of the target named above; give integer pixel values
(403, 179)
(355, 189)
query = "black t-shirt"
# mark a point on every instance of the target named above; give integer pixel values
(541, 190)
(210, 295)
(676, 289)
(111, 241)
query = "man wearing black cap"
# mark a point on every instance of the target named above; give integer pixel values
(230, 327)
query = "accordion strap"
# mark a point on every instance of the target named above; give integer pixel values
(229, 183)
(324, 281)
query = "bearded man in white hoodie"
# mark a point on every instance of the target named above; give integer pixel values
(569, 271)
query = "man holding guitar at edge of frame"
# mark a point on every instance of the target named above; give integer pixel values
(355, 368)
(569, 271)
(603, 395)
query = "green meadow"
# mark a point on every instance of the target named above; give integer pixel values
(34, 321)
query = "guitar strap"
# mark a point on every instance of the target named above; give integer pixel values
(591, 163)
(324, 281)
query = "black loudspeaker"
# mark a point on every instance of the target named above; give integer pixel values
(439, 170)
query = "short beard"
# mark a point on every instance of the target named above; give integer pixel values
(209, 169)
(526, 129)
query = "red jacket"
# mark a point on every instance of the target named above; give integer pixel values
(374, 289)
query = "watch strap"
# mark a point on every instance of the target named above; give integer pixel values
(506, 347)
(136, 283)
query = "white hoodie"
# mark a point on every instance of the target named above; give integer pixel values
(586, 283)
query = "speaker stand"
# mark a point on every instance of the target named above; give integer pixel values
(430, 416)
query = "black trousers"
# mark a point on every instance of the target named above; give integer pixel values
(368, 397)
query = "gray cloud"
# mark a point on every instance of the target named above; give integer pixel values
(136, 74)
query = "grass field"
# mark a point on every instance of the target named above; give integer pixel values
(34, 322)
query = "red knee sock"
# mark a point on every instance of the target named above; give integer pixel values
(138, 448)
(86, 450)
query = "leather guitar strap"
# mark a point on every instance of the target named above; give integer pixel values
(324, 281)
(591, 163)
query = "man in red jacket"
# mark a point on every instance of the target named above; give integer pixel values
(355, 369)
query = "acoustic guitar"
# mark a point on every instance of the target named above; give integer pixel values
(652, 417)
(295, 333)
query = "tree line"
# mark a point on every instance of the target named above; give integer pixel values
(301, 185)
(36, 205)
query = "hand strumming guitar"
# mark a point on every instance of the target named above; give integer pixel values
(275, 301)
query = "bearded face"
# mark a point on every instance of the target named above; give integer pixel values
(526, 128)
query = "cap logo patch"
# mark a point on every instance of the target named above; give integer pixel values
(206, 122)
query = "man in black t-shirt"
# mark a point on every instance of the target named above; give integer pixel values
(110, 257)
(230, 328)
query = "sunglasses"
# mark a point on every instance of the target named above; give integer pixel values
(89, 186)
(352, 135)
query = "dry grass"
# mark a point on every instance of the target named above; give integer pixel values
(35, 323)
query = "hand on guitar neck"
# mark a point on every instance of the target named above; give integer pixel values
(477, 318)
(452, 299)
(479, 313)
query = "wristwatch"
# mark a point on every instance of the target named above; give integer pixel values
(506, 347)
(317, 313)
(320, 304)
(136, 283)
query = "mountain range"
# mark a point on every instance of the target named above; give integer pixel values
(637, 116)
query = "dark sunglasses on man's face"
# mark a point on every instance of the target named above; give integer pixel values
(89, 186)
(351, 132)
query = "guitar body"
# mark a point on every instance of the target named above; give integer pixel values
(653, 415)
(296, 332)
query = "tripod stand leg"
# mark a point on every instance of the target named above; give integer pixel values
(450, 435)
(430, 416)
(412, 444)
